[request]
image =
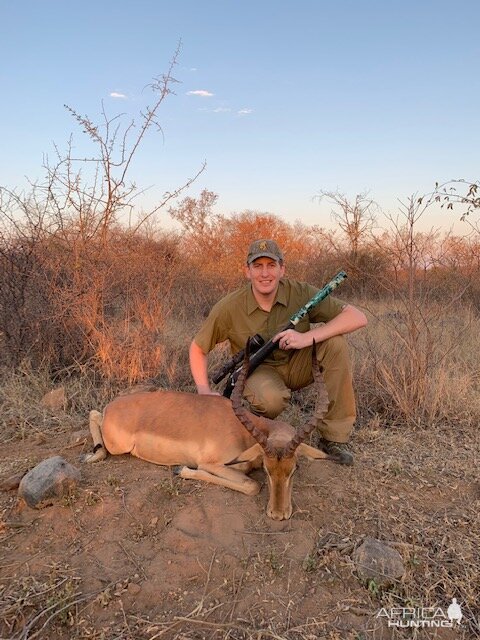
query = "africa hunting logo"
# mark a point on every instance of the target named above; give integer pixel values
(423, 617)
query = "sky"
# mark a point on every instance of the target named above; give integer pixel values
(281, 99)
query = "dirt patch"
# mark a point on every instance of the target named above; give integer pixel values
(138, 553)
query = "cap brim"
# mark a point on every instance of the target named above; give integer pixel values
(263, 255)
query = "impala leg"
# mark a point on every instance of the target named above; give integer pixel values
(95, 425)
(223, 476)
(312, 453)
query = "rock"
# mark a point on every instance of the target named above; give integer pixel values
(11, 482)
(55, 399)
(50, 480)
(377, 561)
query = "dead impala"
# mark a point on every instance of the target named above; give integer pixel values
(203, 437)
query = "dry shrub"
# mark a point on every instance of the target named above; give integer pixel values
(420, 374)
(134, 296)
(106, 305)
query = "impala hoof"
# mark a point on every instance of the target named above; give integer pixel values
(98, 454)
(177, 469)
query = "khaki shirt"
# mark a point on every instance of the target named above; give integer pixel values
(237, 316)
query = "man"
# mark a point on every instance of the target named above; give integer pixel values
(263, 306)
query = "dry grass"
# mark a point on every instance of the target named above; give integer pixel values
(20, 411)
(420, 369)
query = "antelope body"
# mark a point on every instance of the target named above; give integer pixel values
(207, 438)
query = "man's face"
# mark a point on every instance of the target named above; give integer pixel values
(265, 274)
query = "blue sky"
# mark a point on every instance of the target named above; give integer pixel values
(369, 95)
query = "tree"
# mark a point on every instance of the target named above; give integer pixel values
(356, 219)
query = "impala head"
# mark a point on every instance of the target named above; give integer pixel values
(281, 445)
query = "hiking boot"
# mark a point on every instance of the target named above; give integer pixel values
(338, 450)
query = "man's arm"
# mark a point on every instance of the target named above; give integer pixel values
(198, 367)
(348, 320)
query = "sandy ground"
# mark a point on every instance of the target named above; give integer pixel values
(138, 553)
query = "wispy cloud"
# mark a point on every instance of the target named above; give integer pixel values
(221, 110)
(200, 92)
(116, 94)
(244, 112)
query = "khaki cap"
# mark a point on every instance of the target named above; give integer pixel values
(264, 249)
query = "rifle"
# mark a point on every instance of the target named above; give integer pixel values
(262, 351)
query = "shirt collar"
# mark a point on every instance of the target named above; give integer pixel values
(281, 297)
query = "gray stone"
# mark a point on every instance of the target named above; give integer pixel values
(377, 561)
(50, 480)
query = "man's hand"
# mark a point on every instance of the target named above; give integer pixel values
(291, 339)
(349, 319)
(198, 366)
(204, 390)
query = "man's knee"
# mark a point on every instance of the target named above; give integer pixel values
(333, 347)
(333, 355)
(267, 399)
(270, 405)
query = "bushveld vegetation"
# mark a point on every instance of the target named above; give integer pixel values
(81, 296)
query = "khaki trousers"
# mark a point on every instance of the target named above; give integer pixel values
(268, 389)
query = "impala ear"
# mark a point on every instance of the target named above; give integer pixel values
(249, 455)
